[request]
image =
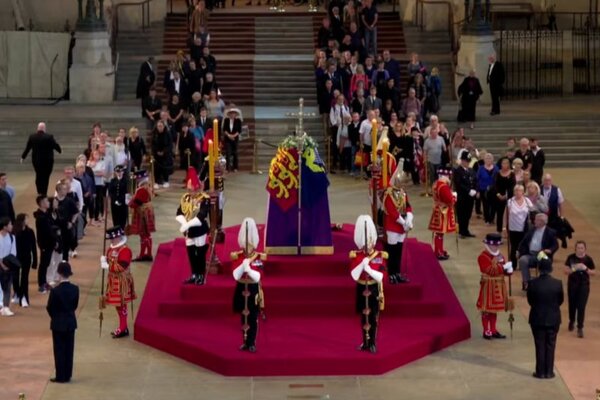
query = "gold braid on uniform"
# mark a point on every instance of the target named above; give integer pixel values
(190, 204)
(398, 198)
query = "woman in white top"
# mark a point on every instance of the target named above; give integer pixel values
(516, 216)
(98, 166)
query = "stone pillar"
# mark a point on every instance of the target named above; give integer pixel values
(408, 9)
(476, 44)
(91, 62)
(473, 54)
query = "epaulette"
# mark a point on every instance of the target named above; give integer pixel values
(384, 255)
(236, 254)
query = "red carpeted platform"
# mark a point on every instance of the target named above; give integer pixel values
(311, 327)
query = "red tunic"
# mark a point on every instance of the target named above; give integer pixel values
(377, 263)
(395, 203)
(442, 218)
(492, 291)
(142, 222)
(119, 287)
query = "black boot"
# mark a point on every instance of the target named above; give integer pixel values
(191, 280)
(199, 280)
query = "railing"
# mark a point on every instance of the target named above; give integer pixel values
(565, 21)
(18, 13)
(145, 20)
(452, 32)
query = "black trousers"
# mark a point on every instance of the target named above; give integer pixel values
(545, 345)
(69, 241)
(578, 294)
(495, 94)
(500, 207)
(197, 259)
(515, 239)
(253, 309)
(487, 205)
(21, 281)
(394, 258)
(5, 282)
(119, 214)
(99, 201)
(64, 345)
(370, 320)
(464, 209)
(42, 177)
(45, 258)
(231, 154)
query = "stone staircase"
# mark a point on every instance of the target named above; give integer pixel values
(134, 47)
(70, 125)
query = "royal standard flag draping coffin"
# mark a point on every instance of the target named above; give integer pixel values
(286, 186)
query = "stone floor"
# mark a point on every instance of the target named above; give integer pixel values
(475, 369)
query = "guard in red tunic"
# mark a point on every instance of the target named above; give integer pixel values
(376, 169)
(368, 271)
(397, 222)
(119, 287)
(248, 297)
(142, 223)
(492, 293)
(442, 218)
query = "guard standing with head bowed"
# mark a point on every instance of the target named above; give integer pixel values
(194, 207)
(142, 222)
(397, 222)
(493, 297)
(442, 217)
(248, 298)
(368, 271)
(120, 289)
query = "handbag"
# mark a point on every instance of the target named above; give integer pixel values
(11, 261)
(361, 158)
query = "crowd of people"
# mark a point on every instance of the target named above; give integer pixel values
(183, 125)
(356, 84)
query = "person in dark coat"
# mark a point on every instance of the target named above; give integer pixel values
(28, 257)
(6, 205)
(62, 303)
(545, 296)
(162, 151)
(42, 146)
(137, 148)
(540, 238)
(151, 107)
(495, 80)
(117, 190)
(46, 239)
(145, 79)
(469, 92)
(232, 127)
(465, 185)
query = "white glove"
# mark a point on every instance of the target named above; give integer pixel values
(127, 198)
(508, 268)
(408, 224)
(183, 228)
(472, 192)
(103, 262)
(117, 203)
(357, 271)
(246, 265)
(455, 195)
(376, 275)
(401, 220)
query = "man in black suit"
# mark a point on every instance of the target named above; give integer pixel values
(145, 79)
(202, 121)
(42, 146)
(177, 86)
(495, 80)
(61, 307)
(540, 238)
(6, 205)
(465, 184)
(151, 106)
(545, 295)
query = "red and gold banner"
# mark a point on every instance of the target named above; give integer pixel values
(282, 184)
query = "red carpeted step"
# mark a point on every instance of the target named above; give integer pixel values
(309, 335)
(300, 308)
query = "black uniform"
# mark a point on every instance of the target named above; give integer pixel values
(61, 307)
(117, 189)
(197, 254)
(545, 295)
(464, 181)
(578, 288)
(245, 287)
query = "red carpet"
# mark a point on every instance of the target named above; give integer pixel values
(311, 327)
